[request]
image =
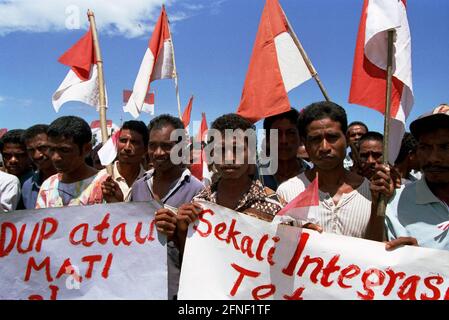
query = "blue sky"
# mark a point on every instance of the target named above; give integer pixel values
(213, 41)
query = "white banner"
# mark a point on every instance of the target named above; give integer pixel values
(84, 252)
(229, 255)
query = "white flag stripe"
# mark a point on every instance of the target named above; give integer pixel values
(136, 100)
(73, 88)
(108, 152)
(293, 69)
(164, 67)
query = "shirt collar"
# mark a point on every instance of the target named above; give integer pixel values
(185, 177)
(117, 176)
(423, 194)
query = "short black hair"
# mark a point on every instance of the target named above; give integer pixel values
(14, 136)
(408, 145)
(291, 115)
(358, 123)
(231, 121)
(371, 136)
(139, 127)
(35, 130)
(163, 120)
(72, 127)
(322, 110)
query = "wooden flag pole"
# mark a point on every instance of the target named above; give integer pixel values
(306, 58)
(382, 204)
(103, 126)
(175, 72)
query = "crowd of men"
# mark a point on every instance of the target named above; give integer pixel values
(48, 166)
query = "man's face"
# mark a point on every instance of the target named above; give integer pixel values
(325, 143)
(160, 147)
(370, 153)
(16, 159)
(288, 139)
(37, 149)
(433, 155)
(66, 155)
(228, 168)
(130, 147)
(354, 133)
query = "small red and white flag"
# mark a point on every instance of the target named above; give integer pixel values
(157, 64)
(148, 103)
(199, 168)
(108, 152)
(81, 82)
(300, 206)
(369, 75)
(187, 113)
(276, 67)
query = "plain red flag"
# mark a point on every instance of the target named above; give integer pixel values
(187, 112)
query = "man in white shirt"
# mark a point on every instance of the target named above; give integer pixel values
(9, 191)
(345, 197)
(132, 145)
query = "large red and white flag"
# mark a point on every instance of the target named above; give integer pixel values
(369, 75)
(81, 82)
(157, 64)
(148, 103)
(300, 206)
(187, 113)
(276, 67)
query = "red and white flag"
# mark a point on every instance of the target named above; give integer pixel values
(157, 64)
(276, 67)
(108, 152)
(81, 82)
(300, 206)
(369, 75)
(187, 113)
(148, 103)
(199, 168)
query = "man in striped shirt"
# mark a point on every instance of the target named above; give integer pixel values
(345, 197)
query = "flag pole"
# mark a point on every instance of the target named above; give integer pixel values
(308, 62)
(102, 95)
(382, 204)
(175, 71)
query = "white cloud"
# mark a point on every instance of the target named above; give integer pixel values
(2, 99)
(129, 18)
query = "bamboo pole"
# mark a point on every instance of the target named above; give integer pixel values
(308, 62)
(175, 72)
(102, 95)
(382, 204)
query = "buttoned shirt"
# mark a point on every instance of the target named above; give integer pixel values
(349, 217)
(121, 181)
(414, 211)
(183, 190)
(30, 190)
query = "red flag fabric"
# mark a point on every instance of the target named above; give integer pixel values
(298, 208)
(81, 82)
(81, 56)
(369, 75)
(275, 68)
(187, 113)
(199, 169)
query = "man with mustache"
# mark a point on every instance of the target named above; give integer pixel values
(345, 197)
(36, 142)
(354, 133)
(418, 213)
(132, 145)
(168, 183)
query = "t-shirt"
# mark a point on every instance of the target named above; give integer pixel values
(54, 193)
